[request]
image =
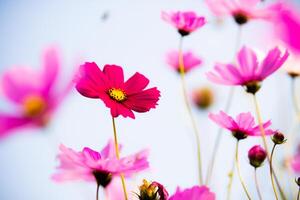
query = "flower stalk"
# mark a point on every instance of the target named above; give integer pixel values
(256, 184)
(189, 110)
(118, 157)
(239, 170)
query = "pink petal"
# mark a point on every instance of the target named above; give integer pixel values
(18, 83)
(109, 150)
(248, 62)
(245, 121)
(51, 68)
(143, 101)
(115, 75)
(89, 153)
(272, 62)
(9, 123)
(91, 80)
(223, 120)
(135, 84)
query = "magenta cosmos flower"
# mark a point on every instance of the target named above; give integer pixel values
(121, 97)
(194, 193)
(248, 72)
(190, 60)
(242, 127)
(35, 95)
(89, 165)
(184, 22)
(243, 10)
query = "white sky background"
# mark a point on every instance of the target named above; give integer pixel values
(136, 38)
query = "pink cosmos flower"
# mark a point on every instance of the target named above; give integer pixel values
(35, 95)
(190, 61)
(194, 193)
(243, 10)
(89, 165)
(287, 27)
(185, 22)
(248, 72)
(121, 97)
(242, 127)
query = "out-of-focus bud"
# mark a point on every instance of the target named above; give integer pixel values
(152, 191)
(297, 180)
(256, 156)
(278, 138)
(203, 97)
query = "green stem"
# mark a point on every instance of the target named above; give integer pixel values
(256, 184)
(239, 171)
(231, 175)
(118, 157)
(298, 195)
(271, 172)
(189, 110)
(97, 192)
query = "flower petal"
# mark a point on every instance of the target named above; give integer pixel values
(143, 101)
(9, 123)
(114, 75)
(247, 62)
(223, 120)
(135, 83)
(90, 80)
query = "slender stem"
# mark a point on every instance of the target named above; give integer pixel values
(295, 99)
(118, 156)
(188, 107)
(239, 171)
(271, 172)
(97, 192)
(220, 130)
(231, 175)
(298, 195)
(256, 184)
(263, 134)
(218, 140)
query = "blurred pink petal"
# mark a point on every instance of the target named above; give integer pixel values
(194, 193)
(190, 61)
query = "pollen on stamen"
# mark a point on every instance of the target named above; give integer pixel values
(117, 94)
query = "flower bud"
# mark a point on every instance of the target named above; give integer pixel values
(203, 97)
(278, 138)
(256, 156)
(297, 180)
(152, 191)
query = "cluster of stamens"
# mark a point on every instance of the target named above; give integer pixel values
(117, 94)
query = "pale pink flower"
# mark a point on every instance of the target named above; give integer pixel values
(295, 163)
(241, 127)
(243, 10)
(34, 94)
(194, 193)
(89, 165)
(184, 22)
(190, 60)
(248, 71)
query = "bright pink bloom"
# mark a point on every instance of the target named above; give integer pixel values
(242, 126)
(190, 61)
(34, 94)
(121, 97)
(90, 165)
(248, 70)
(194, 193)
(185, 22)
(243, 10)
(287, 27)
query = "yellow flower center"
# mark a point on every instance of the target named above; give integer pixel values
(33, 106)
(117, 94)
